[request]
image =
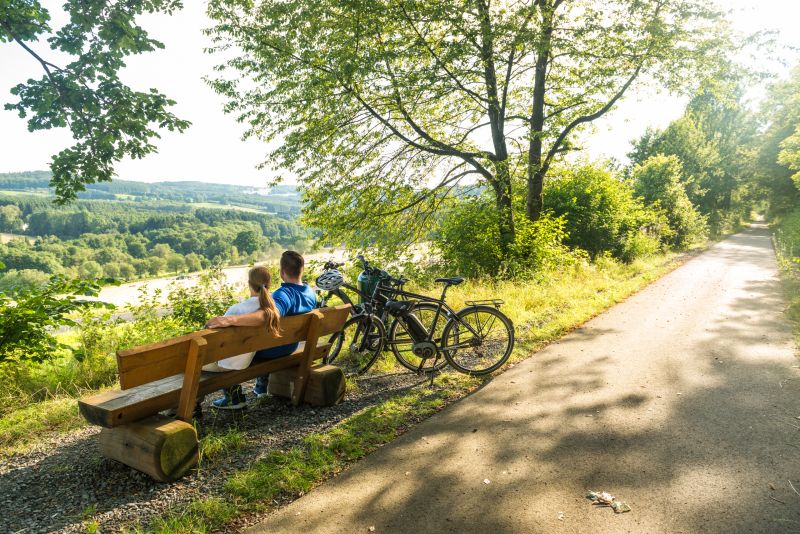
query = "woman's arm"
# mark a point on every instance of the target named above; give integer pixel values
(255, 318)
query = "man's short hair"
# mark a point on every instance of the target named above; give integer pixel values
(292, 263)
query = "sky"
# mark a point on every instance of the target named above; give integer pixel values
(212, 149)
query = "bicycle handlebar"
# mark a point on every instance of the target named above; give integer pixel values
(330, 264)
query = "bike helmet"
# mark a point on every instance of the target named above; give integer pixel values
(330, 280)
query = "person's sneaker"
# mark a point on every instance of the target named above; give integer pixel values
(234, 399)
(261, 388)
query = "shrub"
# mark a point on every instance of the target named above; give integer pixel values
(29, 315)
(17, 279)
(601, 212)
(193, 306)
(468, 239)
(539, 247)
(658, 181)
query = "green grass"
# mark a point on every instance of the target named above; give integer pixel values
(26, 426)
(215, 446)
(787, 249)
(198, 517)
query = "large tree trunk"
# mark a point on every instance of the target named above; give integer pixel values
(536, 175)
(536, 172)
(505, 213)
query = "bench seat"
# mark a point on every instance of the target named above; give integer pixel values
(118, 407)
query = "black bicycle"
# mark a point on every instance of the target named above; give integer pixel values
(364, 334)
(425, 334)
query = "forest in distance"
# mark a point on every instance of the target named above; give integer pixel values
(127, 230)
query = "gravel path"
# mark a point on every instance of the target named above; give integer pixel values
(60, 484)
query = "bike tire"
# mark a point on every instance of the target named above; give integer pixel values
(401, 347)
(469, 359)
(355, 354)
(336, 340)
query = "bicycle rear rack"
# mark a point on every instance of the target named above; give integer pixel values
(486, 302)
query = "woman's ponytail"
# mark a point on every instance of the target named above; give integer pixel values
(271, 313)
(260, 280)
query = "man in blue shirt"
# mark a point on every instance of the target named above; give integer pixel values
(292, 298)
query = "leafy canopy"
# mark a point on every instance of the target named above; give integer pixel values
(382, 108)
(107, 119)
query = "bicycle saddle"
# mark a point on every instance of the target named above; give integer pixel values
(451, 281)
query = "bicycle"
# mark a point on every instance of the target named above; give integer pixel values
(467, 340)
(364, 334)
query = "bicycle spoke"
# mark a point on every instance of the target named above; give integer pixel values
(480, 342)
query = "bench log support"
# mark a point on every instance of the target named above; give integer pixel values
(160, 446)
(191, 379)
(301, 380)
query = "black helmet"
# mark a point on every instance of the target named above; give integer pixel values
(330, 280)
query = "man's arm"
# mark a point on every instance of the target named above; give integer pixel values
(255, 318)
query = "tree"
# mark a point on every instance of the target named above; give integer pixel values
(175, 263)
(31, 315)
(779, 145)
(90, 270)
(127, 271)
(247, 241)
(10, 219)
(789, 155)
(658, 182)
(162, 250)
(107, 119)
(384, 107)
(155, 265)
(193, 262)
(14, 279)
(713, 142)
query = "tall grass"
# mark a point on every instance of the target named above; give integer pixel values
(787, 249)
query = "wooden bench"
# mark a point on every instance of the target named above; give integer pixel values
(167, 374)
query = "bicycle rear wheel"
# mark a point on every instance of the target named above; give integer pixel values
(358, 344)
(483, 347)
(399, 340)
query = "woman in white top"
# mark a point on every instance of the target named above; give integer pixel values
(259, 281)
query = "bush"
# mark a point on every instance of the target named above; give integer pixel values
(18, 279)
(29, 315)
(539, 247)
(468, 238)
(658, 181)
(601, 213)
(787, 238)
(469, 242)
(193, 306)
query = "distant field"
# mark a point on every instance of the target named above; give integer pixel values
(24, 193)
(5, 238)
(215, 205)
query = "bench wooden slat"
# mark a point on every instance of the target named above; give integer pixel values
(153, 362)
(118, 407)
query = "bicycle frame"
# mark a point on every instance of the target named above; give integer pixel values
(440, 303)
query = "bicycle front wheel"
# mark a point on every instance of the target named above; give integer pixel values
(478, 340)
(358, 345)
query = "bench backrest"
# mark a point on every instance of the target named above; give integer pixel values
(148, 363)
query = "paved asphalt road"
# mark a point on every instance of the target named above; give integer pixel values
(682, 401)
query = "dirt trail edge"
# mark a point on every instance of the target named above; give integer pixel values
(682, 401)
